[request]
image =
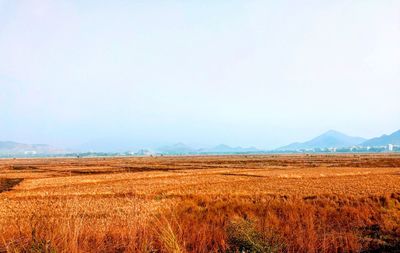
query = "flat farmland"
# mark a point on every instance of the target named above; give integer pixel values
(262, 203)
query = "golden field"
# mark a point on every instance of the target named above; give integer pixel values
(263, 203)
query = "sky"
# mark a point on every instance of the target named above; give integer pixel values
(150, 73)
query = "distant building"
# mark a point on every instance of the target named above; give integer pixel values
(390, 147)
(332, 150)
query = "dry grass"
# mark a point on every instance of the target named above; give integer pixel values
(299, 203)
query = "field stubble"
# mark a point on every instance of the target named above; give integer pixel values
(298, 203)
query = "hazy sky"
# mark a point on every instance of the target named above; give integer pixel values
(250, 73)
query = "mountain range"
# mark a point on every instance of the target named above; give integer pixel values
(15, 148)
(178, 148)
(335, 139)
(181, 148)
(393, 138)
(329, 139)
(222, 148)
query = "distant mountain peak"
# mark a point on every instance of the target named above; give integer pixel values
(180, 144)
(333, 132)
(222, 146)
(329, 139)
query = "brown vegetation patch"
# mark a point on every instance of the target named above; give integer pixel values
(7, 183)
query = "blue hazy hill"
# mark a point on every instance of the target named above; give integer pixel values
(329, 139)
(384, 140)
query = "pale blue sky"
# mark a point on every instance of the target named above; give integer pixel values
(250, 73)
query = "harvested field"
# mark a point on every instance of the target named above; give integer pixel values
(274, 203)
